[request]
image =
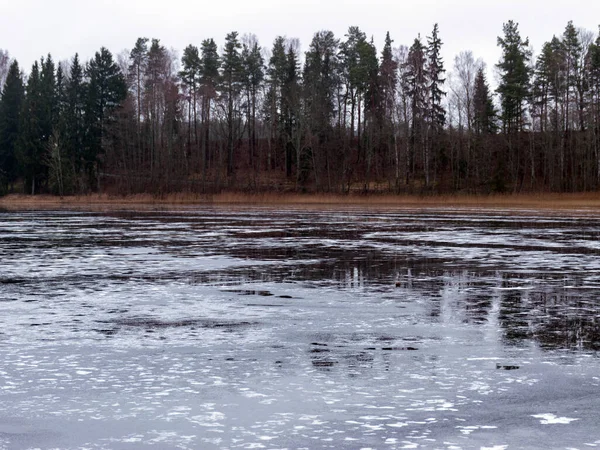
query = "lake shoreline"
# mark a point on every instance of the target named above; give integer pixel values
(545, 201)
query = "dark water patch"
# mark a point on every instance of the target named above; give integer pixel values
(158, 324)
(399, 349)
(250, 292)
(13, 280)
(108, 332)
(319, 350)
(324, 363)
(265, 305)
(507, 367)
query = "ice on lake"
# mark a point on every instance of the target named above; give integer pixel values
(226, 328)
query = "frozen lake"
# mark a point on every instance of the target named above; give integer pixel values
(226, 328)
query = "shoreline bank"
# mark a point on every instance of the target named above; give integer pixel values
(517, 201)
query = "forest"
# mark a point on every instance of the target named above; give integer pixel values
(341, 117)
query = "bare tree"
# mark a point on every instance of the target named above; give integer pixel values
(4, 65)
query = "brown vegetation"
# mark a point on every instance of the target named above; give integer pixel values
(587, 201)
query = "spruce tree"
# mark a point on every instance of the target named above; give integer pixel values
(106, 90)
(75, 93)
(435, 71)
(321, 76)
(11, 102)
(388, 73)
(321, 81)
(514, 88)
(31, 145)
(484, 112)
(415, 82)
(388, 82)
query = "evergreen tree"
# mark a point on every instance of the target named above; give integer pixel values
(60, 174)
(388, 73)
(49, 99)
(572, 54)
(156, 81)
(415, 82)
(209, 79)
(190, 77)
(514, 86)
(593, 79)
(138, 59)
(321, 79)
(273, 104)
(435, 71)
(253, 76)
(231, 77)
(106, 90)
(353, 72)
(11, 102)
(75, 94)
(388, 82)
(31, 145)
(290, 112)
(484, 112)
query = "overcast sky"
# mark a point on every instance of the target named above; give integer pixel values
(32, 28)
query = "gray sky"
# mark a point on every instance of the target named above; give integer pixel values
(32, 28)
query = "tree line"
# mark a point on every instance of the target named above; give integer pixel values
(342, 117)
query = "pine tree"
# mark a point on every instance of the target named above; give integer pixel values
(253, 76)
(290, 112)
(572, 54)
(231, 76)
(273, 103)
(354, 74)
(190, 77)
(154, 98)
(593, 80)
(11, 102)
(138, 58)
(209, 78)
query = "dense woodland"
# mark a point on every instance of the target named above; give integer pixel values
(341, 117)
